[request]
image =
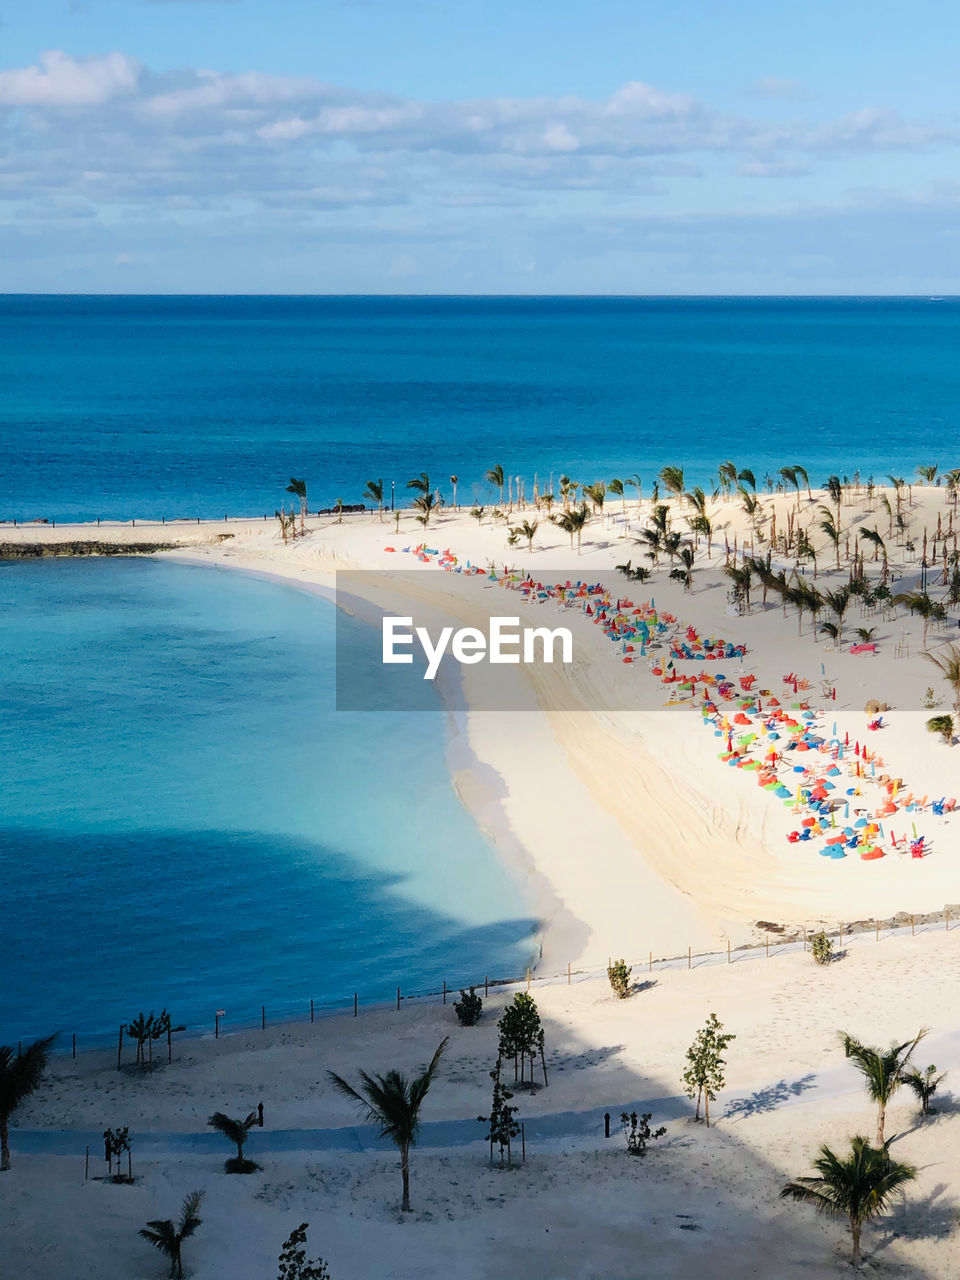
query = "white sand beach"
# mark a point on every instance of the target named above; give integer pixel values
(631, 837)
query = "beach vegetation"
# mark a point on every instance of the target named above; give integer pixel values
(618, 973)
(495, 477)
(469, 1008)
(924, 1085)
(20, 1074)
(522, 1036)
(374, 493)
(287, 523)
(943, 725)
(573, 522)
(145, 1028)
(685, 574)
(637, 1131)
(639, 574)
(116, 1144)
(672, 480)
(393, 1102)
(478, 514)
(821, 947)
(526, 529)
(857, 1186)
(947, 662)
(921, 603)
(426, 504)
(502, 1121)
(168, 1237)
(294, 1264)
(237, 1131)
(865, 634)
(882, 1070)
(928, 474)
(421, 483)
(299, 490)
(597, 493)
(705, 1072)
(615, 487)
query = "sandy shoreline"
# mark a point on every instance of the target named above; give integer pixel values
(654, 841)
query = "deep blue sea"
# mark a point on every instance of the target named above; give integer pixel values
(172, 406)
(185, 821)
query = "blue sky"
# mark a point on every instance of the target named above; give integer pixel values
(479, 146)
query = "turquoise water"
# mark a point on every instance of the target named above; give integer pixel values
(185, 821)
(206, 406)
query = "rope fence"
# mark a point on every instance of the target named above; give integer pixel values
(776, 941)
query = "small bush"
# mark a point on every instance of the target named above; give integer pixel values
(294, 1264)
(469, 1008)
(619, 974)
(822, 948)
(637, 1131)
(240, 1164)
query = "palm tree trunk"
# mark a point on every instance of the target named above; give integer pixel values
(855, 1232)
(405, 1174)
(706, 1107)
(881, 1121)
(4, 1145)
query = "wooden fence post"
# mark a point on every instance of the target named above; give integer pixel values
(568, 973)
(766, 943)
(263, 1017)
(913, 926)
(728, 951)
(486, 985)
(120, 1047)
(74, 1044)
(877, 923)
(311, 1008)
(444, 991)
(86, 1166)
(689, 957)
(355, 1004)
(398, 999)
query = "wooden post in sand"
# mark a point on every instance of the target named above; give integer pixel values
(877, 923)
(398, 999)
(74, 1044)
(946, 919)
(913, 926)
(650, 962)
(120, 1047)
(568, 973)
(689, 957)
(804, 927)
(444, 991)
(841, 936)
(169, 1043)
(728, 951)
(263, 1017)
(86, 1166)
(355, 1004)
(766, 943)
(311, 1008)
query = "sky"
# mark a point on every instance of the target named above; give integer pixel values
(480, 146)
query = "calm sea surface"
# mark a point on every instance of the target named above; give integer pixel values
(206, 406)
(186, 821)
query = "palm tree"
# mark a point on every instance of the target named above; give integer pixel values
(393, 1102)
(374, 491)
(746, 476)
(637, 484)
(789, 474)
(857, 1187)
(832, 630)
(672, 478)
(838, 602)
(573, 522)
(882, 1070)
(526, 530)
(948, 663)
(920, 602)
(727, 475)
(237, 1131)
(928, 473)
(299, 490)
(924, 1085)
(802, 475)
(597, 494)
(495, 477)
(944, 726)
(834, 488)
(615, 486)
(426, 504)
(421, 483)
(169, 1238)
(684, 575)
(876, 541)
(831, 528)
(20, 1074)
(454, 480)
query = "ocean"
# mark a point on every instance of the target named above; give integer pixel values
(184, 819)
(122, 407)
(186, 822)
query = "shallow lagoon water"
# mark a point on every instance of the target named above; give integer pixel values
(186, 821)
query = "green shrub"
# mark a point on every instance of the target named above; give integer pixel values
(637, 1131)
(618, 971)
(822, 948)
(469, 1008)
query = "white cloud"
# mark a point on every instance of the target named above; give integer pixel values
(62, 81)
(778, 87)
